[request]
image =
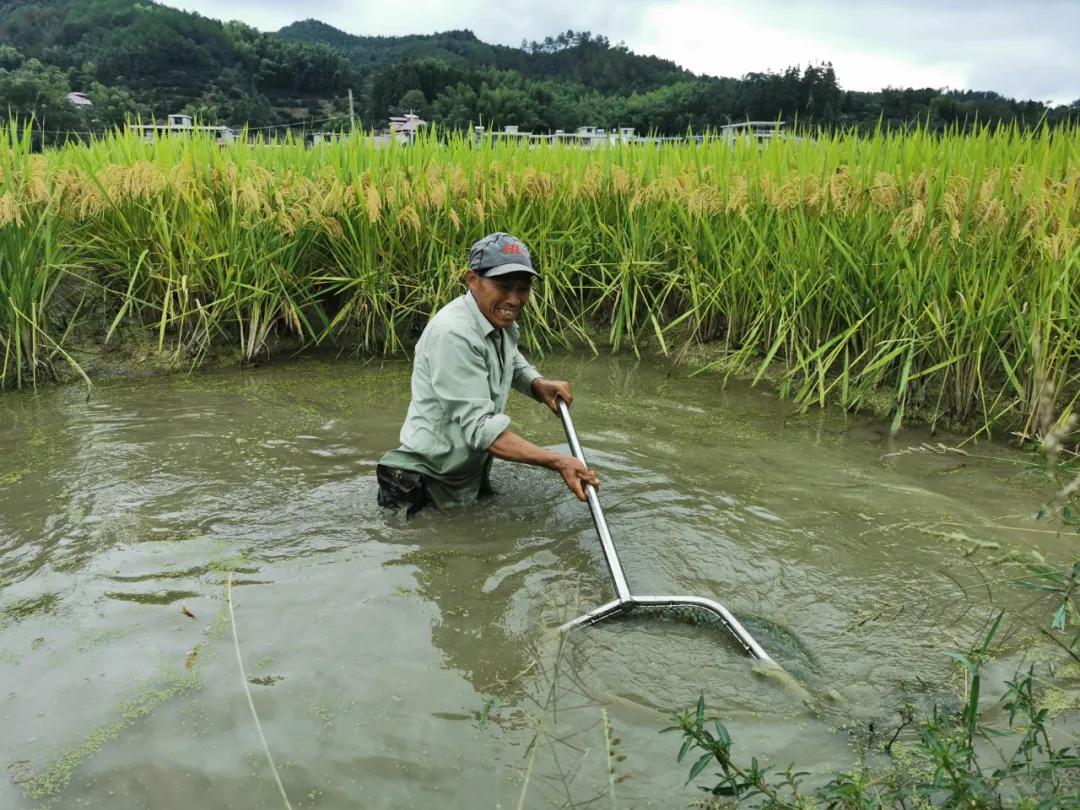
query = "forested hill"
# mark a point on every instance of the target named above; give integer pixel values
(578, 78)
(141, 58)
(578, 57)
(369, 53)
(565, 81)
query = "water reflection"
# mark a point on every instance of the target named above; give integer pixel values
(498, 582)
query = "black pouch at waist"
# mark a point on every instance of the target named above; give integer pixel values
(400, 482)
(398, 487)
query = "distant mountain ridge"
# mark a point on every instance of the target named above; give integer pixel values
(574, 56)
(362, 51)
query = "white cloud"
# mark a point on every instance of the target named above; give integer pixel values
(506, 24)
(264, 16)
(708, 37)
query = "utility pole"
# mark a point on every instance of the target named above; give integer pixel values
(352, 116)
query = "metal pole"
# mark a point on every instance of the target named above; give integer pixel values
(622, 590)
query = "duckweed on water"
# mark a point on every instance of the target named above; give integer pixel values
(57, 775)
(87, 640)
(154, 597)
(220, 626)
(238, 563)
(31, 606)
(265, 680)
(171, 685)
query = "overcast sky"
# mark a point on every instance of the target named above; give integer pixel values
(1021, 48)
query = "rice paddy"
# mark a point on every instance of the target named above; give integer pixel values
(937, 272)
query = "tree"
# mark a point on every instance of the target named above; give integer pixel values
(414, 101)
(233, 100)
(167, 60)
(429, 76)
(113, 106)
(39, 92)
(455, 107)
(499, 106)
(10, 58)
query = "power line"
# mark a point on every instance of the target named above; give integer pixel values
(292, 125)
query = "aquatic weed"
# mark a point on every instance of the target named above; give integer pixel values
(57, 775)
(958, 759)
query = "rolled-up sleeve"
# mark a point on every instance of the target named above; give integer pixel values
(524, 374)
(459, 379)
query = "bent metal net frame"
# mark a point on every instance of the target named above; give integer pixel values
(625, 601)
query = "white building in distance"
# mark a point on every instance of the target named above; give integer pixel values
(180, 124)
(404, 128)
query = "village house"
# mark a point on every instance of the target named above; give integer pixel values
(181, 124)
(583, 136)
(752, 131)
(405, 128)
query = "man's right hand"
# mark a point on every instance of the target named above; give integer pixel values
(576, 475)
(511, 447)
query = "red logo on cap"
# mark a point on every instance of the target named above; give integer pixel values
(511, 247)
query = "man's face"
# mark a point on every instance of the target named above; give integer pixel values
(502, 298)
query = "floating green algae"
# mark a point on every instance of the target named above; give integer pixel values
(171, 685)
(57, 775)
(87, 639)
(24, 608)
(153, 597)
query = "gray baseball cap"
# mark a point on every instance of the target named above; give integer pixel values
(499, 254)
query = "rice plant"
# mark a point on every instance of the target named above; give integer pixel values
(35, 309)
(912, 266)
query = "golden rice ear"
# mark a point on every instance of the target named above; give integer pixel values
(409, 217)
(373, 203)
(459, 184)
(1056, 246)
(909, 222)
(37, 187)
(9, 210)
(333, 228)
(738, 194)
(883, 192)
(437, 193)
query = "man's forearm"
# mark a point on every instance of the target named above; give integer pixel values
(511, 447)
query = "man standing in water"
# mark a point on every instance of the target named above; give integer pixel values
(466, 361)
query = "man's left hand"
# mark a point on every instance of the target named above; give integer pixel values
(550, 391)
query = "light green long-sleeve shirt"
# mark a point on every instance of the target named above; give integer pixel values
(460, 387)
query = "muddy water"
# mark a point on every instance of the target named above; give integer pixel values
(410, 664)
